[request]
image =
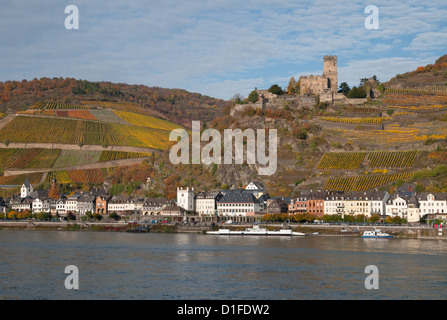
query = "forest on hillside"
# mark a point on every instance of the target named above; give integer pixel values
(177, 105)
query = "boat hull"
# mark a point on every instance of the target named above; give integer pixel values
(377, 237)
(256, 233)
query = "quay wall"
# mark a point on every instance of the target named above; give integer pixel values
(401, 232)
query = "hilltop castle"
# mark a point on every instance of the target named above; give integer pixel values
(324, 86)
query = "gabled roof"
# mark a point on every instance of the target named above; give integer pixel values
(173, 208)
(395, 196)
(238, 197)
(156, 201)
(208, 195)
(26, 183)
(257, 185)
(39, 194)
(438, 196)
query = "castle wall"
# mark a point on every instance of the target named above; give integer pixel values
(319, 85)
(313, 85)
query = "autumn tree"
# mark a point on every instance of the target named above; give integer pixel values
(293, 87)
(53, 193)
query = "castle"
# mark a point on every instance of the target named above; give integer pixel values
(324, 86)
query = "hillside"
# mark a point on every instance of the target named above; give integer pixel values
(431, 75)
(176, 105)
(352, 145)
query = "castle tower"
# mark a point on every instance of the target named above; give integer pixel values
(330, 71)
(185, 198)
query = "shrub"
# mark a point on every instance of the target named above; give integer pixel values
(253, 96)
(275, 89)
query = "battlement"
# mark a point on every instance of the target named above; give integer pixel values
(324, 84)
(332, 59)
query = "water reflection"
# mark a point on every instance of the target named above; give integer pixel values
(192, 266)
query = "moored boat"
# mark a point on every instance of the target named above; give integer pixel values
(256, 230)
(139, 229)
(376, 234)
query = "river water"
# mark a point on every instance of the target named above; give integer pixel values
(195, 267)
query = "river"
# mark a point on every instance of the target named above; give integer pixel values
(156, 266)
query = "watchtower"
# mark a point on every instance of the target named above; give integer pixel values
(330, 72)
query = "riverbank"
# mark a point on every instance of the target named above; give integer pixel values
(401, 232)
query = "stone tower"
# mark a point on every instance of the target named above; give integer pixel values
(330, 72)
(185, 198)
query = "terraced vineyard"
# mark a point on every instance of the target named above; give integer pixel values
(392, 135)
(18, 180)
(52, 130)
(56, 105)
(72, 158)
(392, 159)
(421, 107)
(61, 176)
(142, 120)
(363, 183)
(86, 176)
(120, 155)
(107, 116)
(373, 121)
(376, 159)
(356, 109)
(78, 114)
(414, 99)
(341, 160)
(28, 158)
(442, 155)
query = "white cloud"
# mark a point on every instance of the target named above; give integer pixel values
(218, 48)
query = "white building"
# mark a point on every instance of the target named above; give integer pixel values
(60, 205)
(237, 204)
(206, 202)
(129, 206)
(185, 198)
(397, 205)
(41, 204)
(377, 201)
(71, 204)
(433, 204)
(334, 203)
(413, 211)
(153, 206)
(117, 204)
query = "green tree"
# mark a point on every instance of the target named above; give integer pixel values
(357, 93)
(253, 96)
(275, 89)
(374, 218)
(114, 216)
(344, 87)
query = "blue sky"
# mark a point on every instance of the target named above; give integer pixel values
(220, 47)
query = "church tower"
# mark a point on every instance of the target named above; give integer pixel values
(27, 189)
(330, 72)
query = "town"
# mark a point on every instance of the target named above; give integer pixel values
(250, 204)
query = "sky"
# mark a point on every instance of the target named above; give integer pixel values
(217, 48)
